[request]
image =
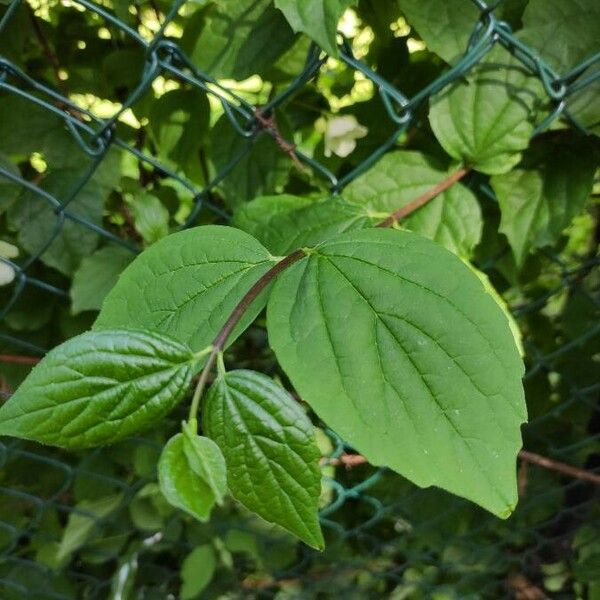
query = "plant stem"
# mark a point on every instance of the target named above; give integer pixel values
(234, 318)
(559, 467)
(424, 198)
(19, 360)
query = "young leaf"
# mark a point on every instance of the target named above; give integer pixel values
(269, 446)
(452, 219)
(97, 388)
(397, 346)
(187, 284)
(150, 217)
(206, 460)
(96, 276)
(284, 223)
(444, 25)
(180, 484)
(486, 121)
(537, 204)
(197, 571)
(317, 18)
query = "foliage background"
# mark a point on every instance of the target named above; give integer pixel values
(120, 122)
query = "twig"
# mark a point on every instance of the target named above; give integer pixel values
(424, 198)
(559, 467)
(270, 124)
(16, 359)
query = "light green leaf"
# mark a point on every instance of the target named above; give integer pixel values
(180, 485)
(151, 218)
(187, 284)
(269, 446)
(399, 348)
(487, 120)
(239, 38)
(36, 222)
(537, 204)
(262, 169)
(197, 571)
(97, 388)
(96, 276)
(83, 521)
(453, 219)
(317, 18)
(444, 25)
(283, 223)
(206, 460)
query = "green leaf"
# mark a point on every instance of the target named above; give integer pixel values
(187, 284)
(452, 219)
(537, 204)
(37, 223)
(206, 460)
(398, 347)
(444, 25)
(317, 18)
(180, 484)
(262, 169)
(151, 218)
(197, 571)
(83, 521)
(487, 120)
(283, 223)
(269, 446)
(97, 388)
(96, 276)
(239, 38)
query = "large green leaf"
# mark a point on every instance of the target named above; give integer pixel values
(180, 484)
(538, 203)
(444, 25)
(283, 223)
(258, 166)
(96, 276)
(317, 18)
(398, 347)
(453, 219)
(487, 119)
(97, 388)
(240, 38)
(269, 446)
(187, 284)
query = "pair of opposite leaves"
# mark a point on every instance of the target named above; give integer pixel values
(391, 339)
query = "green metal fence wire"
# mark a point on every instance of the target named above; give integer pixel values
(456, 553)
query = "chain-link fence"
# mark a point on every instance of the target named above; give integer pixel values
(384, 535)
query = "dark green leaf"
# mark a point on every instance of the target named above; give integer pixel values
(398, 347)
(98, 388)
(96, 276)
(269, 446)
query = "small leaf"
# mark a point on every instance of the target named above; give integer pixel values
(150, 217)
(269, 446)
(206, 460)
(197, 571)
(187, 284)
(97, 388)
(399, 348)
(317, 18)
(181, 486)
(452, 219)
(82, 522)
(538, 203)
(284, 223)
(487, 120)
(96, 276)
